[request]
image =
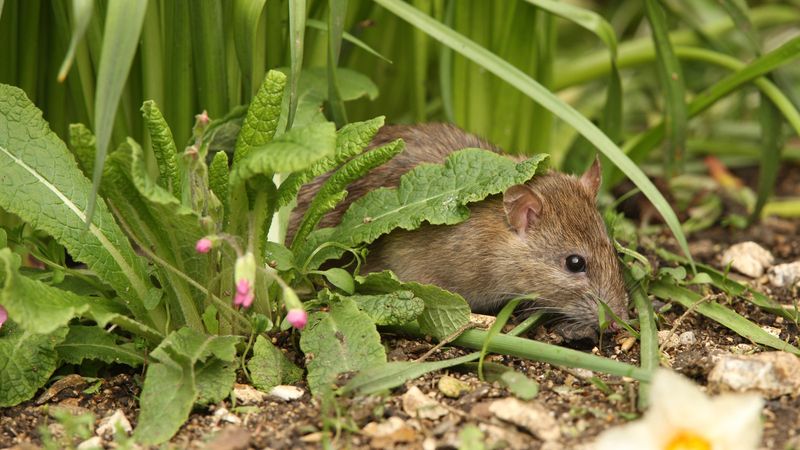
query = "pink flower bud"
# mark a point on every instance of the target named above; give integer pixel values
(297, 317)
(202, 118)
(204, 245)
(3, 315)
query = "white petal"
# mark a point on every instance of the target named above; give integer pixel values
(633, 436)
(677, 403)
(738, 422)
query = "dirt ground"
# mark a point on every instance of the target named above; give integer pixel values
(581, 408)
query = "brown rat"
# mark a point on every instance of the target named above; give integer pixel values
(544, 237)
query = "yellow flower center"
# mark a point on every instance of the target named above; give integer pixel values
(687, 440)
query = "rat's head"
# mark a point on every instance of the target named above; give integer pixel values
(562, 251)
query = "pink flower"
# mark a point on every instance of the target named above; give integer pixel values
(204, 245)
(297, 317)
(244, 294)
(202, 118)
(3, 315)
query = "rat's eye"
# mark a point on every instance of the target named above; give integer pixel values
(576, 263)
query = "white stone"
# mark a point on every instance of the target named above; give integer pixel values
(784, 275)
(287, 393)
(665, 335)
(92, 443)
(748, 258)
(248, 395)
(108, 426)
(771, 374)
(529, 415)
(224, 415)
(417, 404)
(687, 338)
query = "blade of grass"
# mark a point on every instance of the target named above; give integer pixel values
(123, 25)
(446, 67)
(534, 90)
(585, 18)
(28, 70)
(81, 14)
(297, 27)
(178, 105)
(771, 144)
(337, 10)
(494, 330)
(208, 51)
(720, 314)
(152, 57)
(246, 17)
(648, 341)
(670, 77)
(322, 26)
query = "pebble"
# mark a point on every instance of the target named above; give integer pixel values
(248, 395)
(418, 405)
(287, 393)
(226, 416)
(687, 338)
(452, 387)
(771, 374)
(109, 424)
(784, 275)
(528, 415)
(772, 330)
(663, 335)
(92, 443)
(230, 438)
(387, 434)
(628, 343)
(748, 258)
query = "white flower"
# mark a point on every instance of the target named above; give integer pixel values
(682, 417)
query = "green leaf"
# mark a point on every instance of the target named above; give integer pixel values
(322, 26)
(333, 191)
(262, 117)
(585, 18)
(520, 385)
(433, 193)
(246, 15)
(295, 150)
(168, 394)
(444, 313)
(52, 197)
(340, 278)
(89, 342)
(278, 256)
(396, 308)
(26, 362)
(193, 346)
(648, 339)
(269, 367)
(208, 52)
(670, 77)
(720, 314)
(123, 24)
(528, 86)
(214, 380)
(218, 173)
(343, 340)
(351, 140)
(164, 147)
(82, 143)
(82, 14)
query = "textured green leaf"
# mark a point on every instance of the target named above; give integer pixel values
(433, 193)
(164, 148)
(269, 367)
(262, 116)
(214, 380)
(168, 394)
(395, 308)
(342, 340)
(444, 313)
(335, 185)
(351, 140)
(88, 342)
(52, 197)
(218, 177)
(194, 346)
(292, 151)
(340, 278)
(26, 362)
(278, 256)
(82, 144)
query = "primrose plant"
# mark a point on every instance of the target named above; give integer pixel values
(176, 270)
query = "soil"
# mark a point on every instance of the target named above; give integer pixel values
(581, 408)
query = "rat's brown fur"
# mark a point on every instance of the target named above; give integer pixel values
(484, 258)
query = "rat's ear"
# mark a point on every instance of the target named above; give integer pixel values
(523, 207)
(592, 178)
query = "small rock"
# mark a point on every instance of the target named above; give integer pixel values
(92, 443)
(687, 338)
(628, 343)
(482, 321)
(784, 275)
(772, 374)
(529, 415)
(418, 405)
(748, 258)
(230, 438)
(387, 434)
(287, 393)
(505, 436)
(772, 330)
(583, 374)
(224, 415)
(452, 387)
(664, 335)
(109, 424)
(248, 395)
